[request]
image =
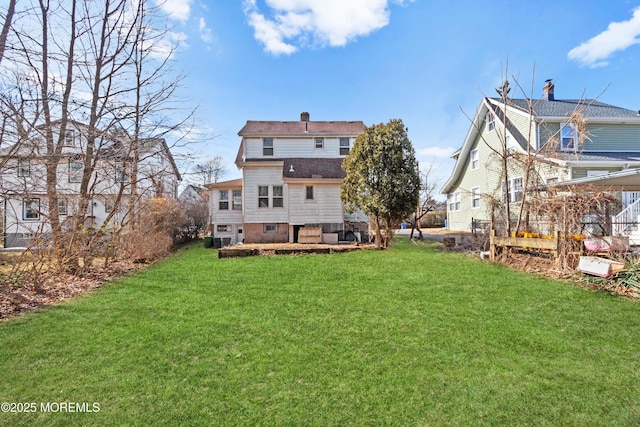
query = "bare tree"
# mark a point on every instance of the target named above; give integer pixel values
(427, 202)
(8, 19)
(95, 69)
(211, 171)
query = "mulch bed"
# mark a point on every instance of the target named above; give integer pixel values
(29, 295)
(270, 249)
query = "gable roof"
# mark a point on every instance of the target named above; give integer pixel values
(562, 108)
(225, 184)
(296, 128)
(541, 109)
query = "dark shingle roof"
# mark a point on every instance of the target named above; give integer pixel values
(600, 156)
(313, 168)
(272, 128)
(565, 107)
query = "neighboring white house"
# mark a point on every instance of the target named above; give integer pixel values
(23, 181)
(606, 155)
(291, 178)
(192, 194)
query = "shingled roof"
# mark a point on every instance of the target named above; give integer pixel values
(275, 128)
(590, 108)
(313, 168)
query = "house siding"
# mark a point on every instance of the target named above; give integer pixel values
(609, 137)
(233, 219)
(600, 136)
(255, 177)
(488, 178)
(584, 172)
(326, 206)
(294, 147)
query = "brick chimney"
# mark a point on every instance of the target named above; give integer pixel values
(304, 116)
(547, 91)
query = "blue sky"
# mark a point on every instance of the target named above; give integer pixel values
(422, 61)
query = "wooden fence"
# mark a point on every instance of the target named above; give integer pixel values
(529, 243)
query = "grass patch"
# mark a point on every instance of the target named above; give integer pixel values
(406, 336)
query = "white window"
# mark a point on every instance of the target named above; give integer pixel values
(475, 159)
(309, 192)
(75, 171)
(222, 228)
(263, 196)
(62, 206)
(223, 203)
(319, 143)
(568, 138)
(31, 209)
(108, 203)
(270, 228)
(121, 172)
(237, 200)
(344, 146)
(24, 167)
(267, 146)
(475, 197)
(70, 138)
(491, 121)
(454, 202)
(515, 190)
(278, 198)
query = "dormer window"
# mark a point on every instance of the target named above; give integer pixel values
(491, 121)
(267, 146)
(568, 138)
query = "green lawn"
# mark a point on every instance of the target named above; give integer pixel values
(407, 336)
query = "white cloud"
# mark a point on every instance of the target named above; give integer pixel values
(436, 152)
(205, 32)
(298, 23)
(176, 9)
(166, 47)
(617, 37)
